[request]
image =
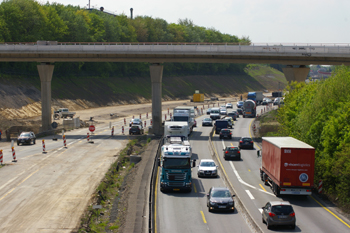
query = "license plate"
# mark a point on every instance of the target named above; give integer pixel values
(248, 113)
(222, 207)
(176, 189)
(282, 216)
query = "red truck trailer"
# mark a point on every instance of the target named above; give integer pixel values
(287, 165)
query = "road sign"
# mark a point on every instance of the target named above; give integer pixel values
(92, 128)
(54, 125)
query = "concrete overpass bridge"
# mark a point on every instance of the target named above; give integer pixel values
(295, 56)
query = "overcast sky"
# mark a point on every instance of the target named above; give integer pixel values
(284, 21)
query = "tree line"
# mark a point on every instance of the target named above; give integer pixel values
(30, 21)
(318, 113)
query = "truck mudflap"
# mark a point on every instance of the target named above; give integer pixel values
(295, 191)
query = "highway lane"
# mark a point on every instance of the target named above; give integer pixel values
(244, 175)
(188, 212)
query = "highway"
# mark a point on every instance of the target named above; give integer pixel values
(187, 212)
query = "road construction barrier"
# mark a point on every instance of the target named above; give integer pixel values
(43, 146)
(165, 116)
(64, 141)
(320, 185)
(151, 122)
(208, 106)
(218, 104)
(140, 117)
(171, 115)
(168, 110)
(88, 137)
(132, 117)
(1, 157)
(122, 129)
(202, 110)
(14, 155)
(203, 106)
(145, 124)
(147, 115)
(112, 131)
(124, 121)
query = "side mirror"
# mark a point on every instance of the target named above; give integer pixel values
(194, 163)
(223, 149)
(258, 153)
(233, 195)
(158, 162)
(207, 194)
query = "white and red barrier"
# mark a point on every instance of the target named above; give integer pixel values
(64, 141)
(88, 137)
(165, 116)
(112, 133)
(145, 124)
(1, 157)
(122, 129)
(140, 117)
(147, 115)
(132, 117)
(171, 115)
(43, 142)
(124, 121)
(168, 110)
(14, 155)
(151, 122)
(320, 186)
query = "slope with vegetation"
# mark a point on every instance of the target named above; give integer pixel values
(318, 113)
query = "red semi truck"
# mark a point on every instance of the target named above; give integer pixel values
(287, 165)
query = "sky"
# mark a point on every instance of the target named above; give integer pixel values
(263, 21)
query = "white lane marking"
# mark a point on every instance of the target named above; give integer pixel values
(249, 194)
(240, 179)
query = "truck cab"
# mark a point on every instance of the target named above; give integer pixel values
(176, 164)
(184, 115)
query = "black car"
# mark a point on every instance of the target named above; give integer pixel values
(220, 198)
(231, 152)
(240, 111)
(233, 115)
(136, 129)
(235, 112)
(225, 133)
(26, 138)
(246, 142)
(208, 111)
(278, 213)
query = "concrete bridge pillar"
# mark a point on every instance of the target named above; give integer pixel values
(298, 74)
(156, 71)
(45, 73)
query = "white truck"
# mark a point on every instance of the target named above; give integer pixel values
(63, 113)
(184, 114)
(176, 129)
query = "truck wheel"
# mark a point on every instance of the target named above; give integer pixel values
(34, 142)
(17, 143)
(268, 225)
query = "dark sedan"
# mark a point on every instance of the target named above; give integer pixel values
(225, 133)
(136, 129)
(208, 111)
(220, 198)
(278, 213)
(26, 138)
(233, 115)
(240, 111)
(246, 142)
(231, 152)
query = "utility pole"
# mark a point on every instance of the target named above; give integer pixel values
(89, 4)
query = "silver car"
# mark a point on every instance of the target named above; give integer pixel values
(278, 213)
(223, 111)
(207, 168)
(207, 121)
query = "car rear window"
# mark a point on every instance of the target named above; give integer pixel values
(134, 127)
(247, 139)
(232, 148)
(282, 209)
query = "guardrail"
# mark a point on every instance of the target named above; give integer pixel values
(151, 217)
(238, 201)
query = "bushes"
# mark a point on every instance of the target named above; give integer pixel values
(319, 114)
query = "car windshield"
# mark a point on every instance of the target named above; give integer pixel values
(225, 130)
(214, 111)
(247, 139)
(282, 209)
(207, 119)
(207, 164)
(240, 102)
(25, 135)
(180, 163)
(134, 127)
(221, 193)
(180, 118)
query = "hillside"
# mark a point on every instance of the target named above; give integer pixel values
(20, 96)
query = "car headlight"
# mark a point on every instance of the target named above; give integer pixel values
(230, 202)
(212, 203)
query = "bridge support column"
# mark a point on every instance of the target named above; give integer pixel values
(45, 72)
(156, 71)
(298, 74)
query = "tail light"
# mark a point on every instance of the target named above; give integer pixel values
(292, 214)
(238, 152)
(230, 133)
(240, 141)
(251, 141)
(272, 214)
(226, 152)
